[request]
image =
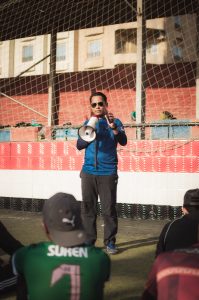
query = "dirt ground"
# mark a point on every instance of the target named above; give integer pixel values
(135, 239)
(27, 227)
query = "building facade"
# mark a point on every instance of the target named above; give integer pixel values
(168, 40)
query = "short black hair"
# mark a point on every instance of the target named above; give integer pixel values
(104, 98)
(191, 198)
(192, 210)
(191, 202)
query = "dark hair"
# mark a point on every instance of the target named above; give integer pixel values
(192, 209)
(104, 98)
(191, 200)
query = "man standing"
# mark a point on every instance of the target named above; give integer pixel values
(99, 172)
(63, 268)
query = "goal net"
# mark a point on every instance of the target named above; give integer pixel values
(142, 54)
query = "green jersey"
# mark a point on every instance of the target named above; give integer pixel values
(52, 272)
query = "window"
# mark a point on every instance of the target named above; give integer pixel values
(125, 41)
(27, 53)
(177, 52)
(177, 22)
(152, 48)
(94, 48)
(61, 52)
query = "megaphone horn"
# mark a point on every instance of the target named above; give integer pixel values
(87, 132)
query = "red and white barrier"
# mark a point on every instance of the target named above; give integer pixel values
(150, 172)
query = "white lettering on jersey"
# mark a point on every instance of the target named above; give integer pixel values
(55, 250)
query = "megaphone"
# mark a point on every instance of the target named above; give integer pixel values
(87, 132)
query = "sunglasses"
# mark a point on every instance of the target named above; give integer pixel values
(93, 105)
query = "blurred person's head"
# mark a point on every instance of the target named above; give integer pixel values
(191, 202)
(62, 220)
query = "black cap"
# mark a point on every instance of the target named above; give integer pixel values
(191, 198)
(61, 215)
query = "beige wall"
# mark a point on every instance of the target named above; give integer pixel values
(38, 54)
(184, 37)
(77, 44)
(4, 59)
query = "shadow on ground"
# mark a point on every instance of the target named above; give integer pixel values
(135, 244)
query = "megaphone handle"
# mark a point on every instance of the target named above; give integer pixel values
(111, 123)
(107, 118)
(81, 144)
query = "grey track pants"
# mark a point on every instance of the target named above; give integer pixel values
(106, 188)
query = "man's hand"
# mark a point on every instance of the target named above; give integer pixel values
(110, 120)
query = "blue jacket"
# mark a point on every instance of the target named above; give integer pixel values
(101, 154)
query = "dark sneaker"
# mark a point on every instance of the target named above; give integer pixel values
(111, 248)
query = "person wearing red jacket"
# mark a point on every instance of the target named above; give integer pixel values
(174, 276)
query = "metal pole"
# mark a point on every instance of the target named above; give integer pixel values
(197, 65)
(52, 111)
(140, 69)
(22, 104)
